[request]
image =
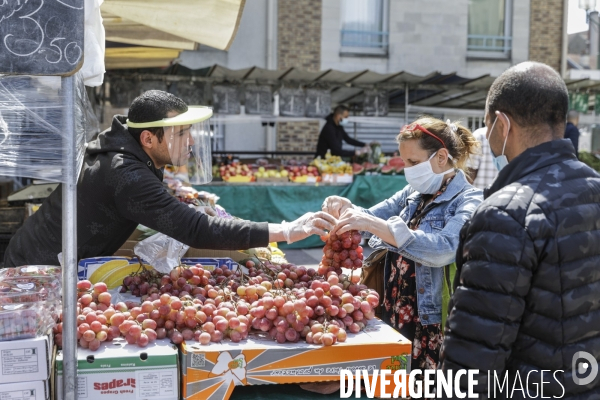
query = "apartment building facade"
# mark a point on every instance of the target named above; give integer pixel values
(468, 37)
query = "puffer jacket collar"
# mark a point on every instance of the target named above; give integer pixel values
(531, 160)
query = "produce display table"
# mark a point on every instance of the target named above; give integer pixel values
(274, 202)
(215, 371)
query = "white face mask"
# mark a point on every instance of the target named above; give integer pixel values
(422, 178)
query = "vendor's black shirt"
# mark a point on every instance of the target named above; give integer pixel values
(331, 138)
(119, 188)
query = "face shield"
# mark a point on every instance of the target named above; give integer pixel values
(187, 140)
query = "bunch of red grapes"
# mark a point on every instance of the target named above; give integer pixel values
(286, 302)
(343, 251)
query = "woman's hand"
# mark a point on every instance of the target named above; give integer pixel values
(356, 220)
(336, 205)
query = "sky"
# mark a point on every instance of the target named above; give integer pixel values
(577, 17)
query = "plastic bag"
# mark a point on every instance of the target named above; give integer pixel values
(161, 251)
(93, 61)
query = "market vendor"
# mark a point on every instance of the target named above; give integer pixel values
(333, 134)
(120, 186)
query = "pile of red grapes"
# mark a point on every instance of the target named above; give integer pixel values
(285, 302)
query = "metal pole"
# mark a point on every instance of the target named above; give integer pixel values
(69, 240)
(594, 39)
(406, 104)
(565, 40)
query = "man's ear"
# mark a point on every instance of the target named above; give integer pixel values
(147, 139)
(505, 124)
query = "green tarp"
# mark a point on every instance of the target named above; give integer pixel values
(277, 203)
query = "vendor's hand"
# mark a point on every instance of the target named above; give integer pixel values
(353, 220)
(336, 205)
(308, 224)
(360, 152)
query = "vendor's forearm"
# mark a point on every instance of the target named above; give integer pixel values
(276, 233)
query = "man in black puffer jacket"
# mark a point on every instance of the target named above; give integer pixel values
(527, 302)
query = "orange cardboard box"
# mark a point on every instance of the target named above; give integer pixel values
(213, 371)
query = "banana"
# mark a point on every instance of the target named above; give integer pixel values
(275, 251)
(261, 252)
(113, 272)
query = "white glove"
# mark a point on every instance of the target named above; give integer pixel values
(363, 150)
(308, 224)
(336, 205)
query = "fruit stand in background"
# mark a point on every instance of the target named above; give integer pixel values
(333, 169)
(287, 201)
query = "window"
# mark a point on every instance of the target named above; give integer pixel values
(364, 27)
(489, 33)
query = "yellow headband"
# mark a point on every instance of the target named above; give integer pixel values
(191, 116)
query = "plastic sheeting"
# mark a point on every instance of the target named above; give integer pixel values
(193, 93)
(318, 103)
(226, 99)
(376, 103)
(292, 102)
(31, 121)
(259, 100)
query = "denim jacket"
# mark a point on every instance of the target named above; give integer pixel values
(433, 245)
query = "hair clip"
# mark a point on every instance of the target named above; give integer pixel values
(452, 126)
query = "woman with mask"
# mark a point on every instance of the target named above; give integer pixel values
(420, 227)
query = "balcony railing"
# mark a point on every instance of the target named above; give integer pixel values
(369, 39)
(489, 43)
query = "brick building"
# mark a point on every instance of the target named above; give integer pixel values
(464, 37)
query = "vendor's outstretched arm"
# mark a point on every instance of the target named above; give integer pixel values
(276, 233)
(151, 205)
(308, 224)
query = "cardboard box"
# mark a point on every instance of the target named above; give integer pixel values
(273, 179)
(112, 270)
(125, 372)
(216, 369)
(25, 360)
(87, 266)
(38, 390)
(205, 253)
(126, 250)
(338, 178)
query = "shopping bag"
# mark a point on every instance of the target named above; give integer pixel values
(449, 272)
(372, 275)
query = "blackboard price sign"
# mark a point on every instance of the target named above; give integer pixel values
(41, 37)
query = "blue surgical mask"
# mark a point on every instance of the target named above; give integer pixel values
(344, 122)
(499, 161)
